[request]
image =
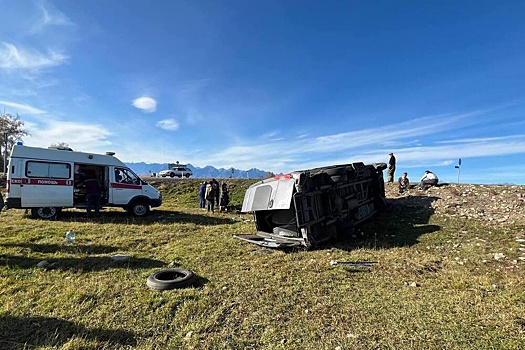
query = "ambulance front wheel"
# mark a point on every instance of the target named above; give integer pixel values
(139, 209)
(45, 213)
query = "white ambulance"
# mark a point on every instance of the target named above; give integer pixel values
(46, 180)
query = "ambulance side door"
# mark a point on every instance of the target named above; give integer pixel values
(47, 184)
(125, 185)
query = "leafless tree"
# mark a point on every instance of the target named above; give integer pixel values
(12, 130)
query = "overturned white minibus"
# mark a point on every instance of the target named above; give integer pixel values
(46, 180)
(311, 207)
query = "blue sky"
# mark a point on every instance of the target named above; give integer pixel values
(276, 85)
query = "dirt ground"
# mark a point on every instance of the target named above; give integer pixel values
(496, 204)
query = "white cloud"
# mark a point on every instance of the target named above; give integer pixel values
(147, 104)
(368, 146)
(79, 136)
(302, 135)
(12, 57)
(270, 135)
(168, 124)
(49, 16)
(54, 17)
(22, 108)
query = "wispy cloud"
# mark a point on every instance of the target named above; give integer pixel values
(191, 87)
(51, 16)
(22, 108)
(384, 135)
(302, 134)
(79, 136)
(481, 139)
(368, 145)
(168, 124)
(271, 135)
(193, 116)
(146, 104)
(12, 58)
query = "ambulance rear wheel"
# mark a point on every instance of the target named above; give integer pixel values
(139, 209)
(45, 213)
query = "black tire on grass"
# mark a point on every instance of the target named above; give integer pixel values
(170, 279)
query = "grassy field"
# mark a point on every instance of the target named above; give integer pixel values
(436, 283)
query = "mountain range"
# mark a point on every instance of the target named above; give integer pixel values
(206, 172)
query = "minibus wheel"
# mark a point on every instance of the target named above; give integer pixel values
(139, 208)
(45, 213)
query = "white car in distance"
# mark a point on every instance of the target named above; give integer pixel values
(177, 171)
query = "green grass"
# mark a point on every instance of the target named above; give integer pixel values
(249, 298)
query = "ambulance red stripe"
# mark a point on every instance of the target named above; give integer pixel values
(41, 181)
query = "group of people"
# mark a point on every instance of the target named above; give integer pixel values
(212, 195)
(428, 178)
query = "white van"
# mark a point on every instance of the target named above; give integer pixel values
(47, 180)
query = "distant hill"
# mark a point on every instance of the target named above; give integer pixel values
(206, 172)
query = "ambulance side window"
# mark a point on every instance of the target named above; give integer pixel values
(48, 170)
(126, 176)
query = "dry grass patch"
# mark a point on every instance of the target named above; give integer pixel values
(436, 283)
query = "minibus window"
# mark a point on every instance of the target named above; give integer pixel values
(48, 170)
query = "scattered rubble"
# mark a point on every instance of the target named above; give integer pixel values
(498, 205)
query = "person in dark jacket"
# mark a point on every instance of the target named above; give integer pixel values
(216, 191)
(225, 197)
(93, 193)
(202, 192)
(391, 167)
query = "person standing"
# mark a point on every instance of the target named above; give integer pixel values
(225, 197)
(391, 167)
(202, 192)
(210, 197)
(93, 193)
(216, 191)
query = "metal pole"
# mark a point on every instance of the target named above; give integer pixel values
(5, 152)
(459, 168)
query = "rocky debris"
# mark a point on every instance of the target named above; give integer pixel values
(521, 248)
(120, 258)
(47, 265)
(499, 256)
(497, 205)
